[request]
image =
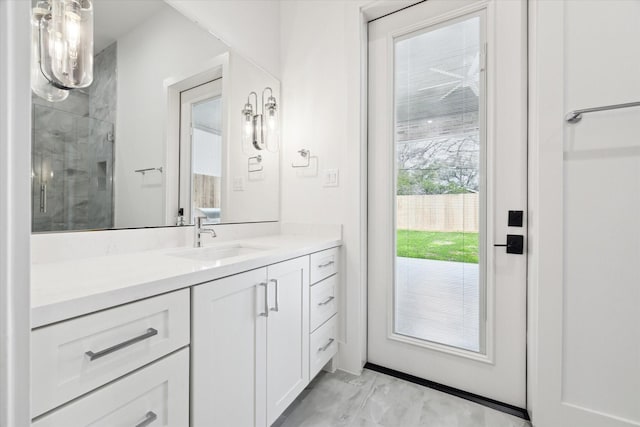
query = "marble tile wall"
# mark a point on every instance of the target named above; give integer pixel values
(73, 154)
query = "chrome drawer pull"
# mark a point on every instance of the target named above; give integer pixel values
(93, 356)
(276, 308)
(148, 419)
(327, 301)
(326, 346)
(326, 264)
(265, 313)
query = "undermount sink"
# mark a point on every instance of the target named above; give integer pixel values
(218, 253)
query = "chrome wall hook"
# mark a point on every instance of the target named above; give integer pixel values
(306, 155)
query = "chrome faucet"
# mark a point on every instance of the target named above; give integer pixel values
(200, 229)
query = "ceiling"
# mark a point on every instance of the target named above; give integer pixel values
(115, 18)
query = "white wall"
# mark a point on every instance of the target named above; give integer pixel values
(251, 27)
(15, 218)
(321, 91)
(164, 46)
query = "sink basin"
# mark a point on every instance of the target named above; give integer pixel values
(217, 253)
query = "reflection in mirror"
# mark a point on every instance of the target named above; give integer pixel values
(202, 134)
(119, 153)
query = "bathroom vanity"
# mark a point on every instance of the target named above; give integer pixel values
(228, 334)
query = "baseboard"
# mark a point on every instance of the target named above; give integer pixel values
(485, 401)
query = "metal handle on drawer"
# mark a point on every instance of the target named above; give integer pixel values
(265, 313)
(276, 308)
(327, 301)
(148, 419)
(93, 356)
(326, 346)
(326, 264)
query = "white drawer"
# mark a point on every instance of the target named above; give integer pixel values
(323, 345)
(138, 333)
(155, 396)
(324, 264)
(323, 301)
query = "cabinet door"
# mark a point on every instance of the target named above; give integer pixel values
(287, 334)
(228, 351)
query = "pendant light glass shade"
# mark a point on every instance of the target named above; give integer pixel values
(66, 40)
(39, 83)
(247, 129)
(270, 125)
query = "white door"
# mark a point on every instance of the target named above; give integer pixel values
(447, 162)
(586, 280)
(201, 151)
(287, 334)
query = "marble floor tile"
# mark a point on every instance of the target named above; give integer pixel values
(378, 400)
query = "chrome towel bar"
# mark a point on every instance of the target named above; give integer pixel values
(576, 115)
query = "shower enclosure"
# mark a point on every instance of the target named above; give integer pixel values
(72, 175)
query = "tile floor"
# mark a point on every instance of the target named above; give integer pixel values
(378, 400)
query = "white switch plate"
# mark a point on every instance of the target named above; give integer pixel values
(238, 183)
(330, 177)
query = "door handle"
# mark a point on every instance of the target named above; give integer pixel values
(514, 245)
(276, 308)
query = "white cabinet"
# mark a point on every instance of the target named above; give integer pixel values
(228, 359)
(250, 345)
(71, 358)
(157, 395)
(287, 334)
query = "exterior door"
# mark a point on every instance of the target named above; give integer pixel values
(447, 162)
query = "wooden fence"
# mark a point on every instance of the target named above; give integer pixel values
(439, 212)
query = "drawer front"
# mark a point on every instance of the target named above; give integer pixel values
(324, 264)
(155, 396)
(74, 357)
(323, 345)
(323, 301)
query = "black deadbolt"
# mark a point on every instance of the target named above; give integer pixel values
(515, 218)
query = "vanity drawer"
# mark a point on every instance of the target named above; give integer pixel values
(324, 264)
(323, 301)
(323, 346)
(74, 357)
(157, 395)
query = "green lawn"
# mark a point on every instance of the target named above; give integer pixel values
(461, 247)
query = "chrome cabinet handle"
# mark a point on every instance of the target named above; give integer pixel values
(265, 313)
(93, 356)
(148, 419)
(327, 301)
(276, 308)
(326, 346)
(326, 264)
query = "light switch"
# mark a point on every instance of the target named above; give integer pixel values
(238, 183)
(330, 177)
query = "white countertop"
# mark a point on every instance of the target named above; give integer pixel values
(67, 289)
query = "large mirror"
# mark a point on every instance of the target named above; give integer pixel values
(156, 138)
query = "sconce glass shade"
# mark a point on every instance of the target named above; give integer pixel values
(247, 129)
(39, 83)
(66, 40)
(271, 129)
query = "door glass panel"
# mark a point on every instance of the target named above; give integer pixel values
(206, 137)
(439, 114)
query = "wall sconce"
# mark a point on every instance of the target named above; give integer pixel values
(61, 47)
(260, 130)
